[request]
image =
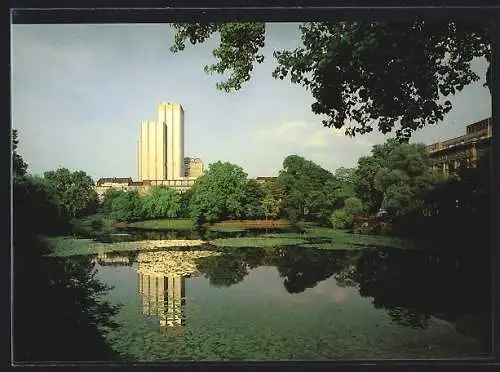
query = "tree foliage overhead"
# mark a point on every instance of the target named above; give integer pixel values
(238, 50)
(361, 74)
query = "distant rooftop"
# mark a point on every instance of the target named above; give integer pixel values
(262, 179)
(126, 180)
(479, 129)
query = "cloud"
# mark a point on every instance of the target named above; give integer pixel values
(296, 132)
(328, 147)
(289, 132)
(317, 140)
(333, 295)
(308, 135)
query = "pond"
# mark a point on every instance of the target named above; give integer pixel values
(297, 303)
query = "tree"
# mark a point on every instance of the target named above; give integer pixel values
(364, 183)
(353, 206)
(185, 199)
(127, 206)
(405, 177)
(339, 219)
(343, 218)
(219, 193)
(37, 208)
(109, 196)
(67, 293)
(308, 190)
(161, 202)
(361, 74)
(75, 191)
(253, 200)
(19, 167)
(237, 52)
(395, 177)
(271, 200)
(344, 174)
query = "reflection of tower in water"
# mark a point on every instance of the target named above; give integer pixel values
(163, 296)
(161, 279)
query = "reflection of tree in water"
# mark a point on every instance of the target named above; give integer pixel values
(412, 286)
(304, 268)
(415, 285)
(58, 314)
(224, 270)
(301, 268)
(408, 317)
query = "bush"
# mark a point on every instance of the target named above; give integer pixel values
(127, 207)
(340, 219)
(353, 206)
(96, 223)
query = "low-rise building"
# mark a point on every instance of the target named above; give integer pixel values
(265, 179)
(450, 155)
(126, 184)
(116, 183)
(180, 185)
(193, 167)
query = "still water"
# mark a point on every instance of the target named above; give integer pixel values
(296, 303)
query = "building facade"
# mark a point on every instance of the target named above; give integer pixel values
(161, 145)
(172, 116)
(152, 151)
(180, 186)
(116, 183)
(193, 167)
(450, 155)
(262, 180)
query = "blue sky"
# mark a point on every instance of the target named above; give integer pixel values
(80, 91)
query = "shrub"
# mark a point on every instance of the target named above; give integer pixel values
(340, 219)
(353, 206)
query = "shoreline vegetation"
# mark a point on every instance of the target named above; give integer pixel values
(304, 235)
(188, 224)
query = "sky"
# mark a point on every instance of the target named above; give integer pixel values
(80, 91)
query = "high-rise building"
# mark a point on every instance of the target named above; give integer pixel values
(152, 151)
(172, 115)
(161, 145)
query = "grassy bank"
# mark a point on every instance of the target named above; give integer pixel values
(91, 226)
(256, 242)
(67, 246)
(346, 238)
(310, 236)
(330, 240)
(251, 224)
(164, 224)
(187, 224)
